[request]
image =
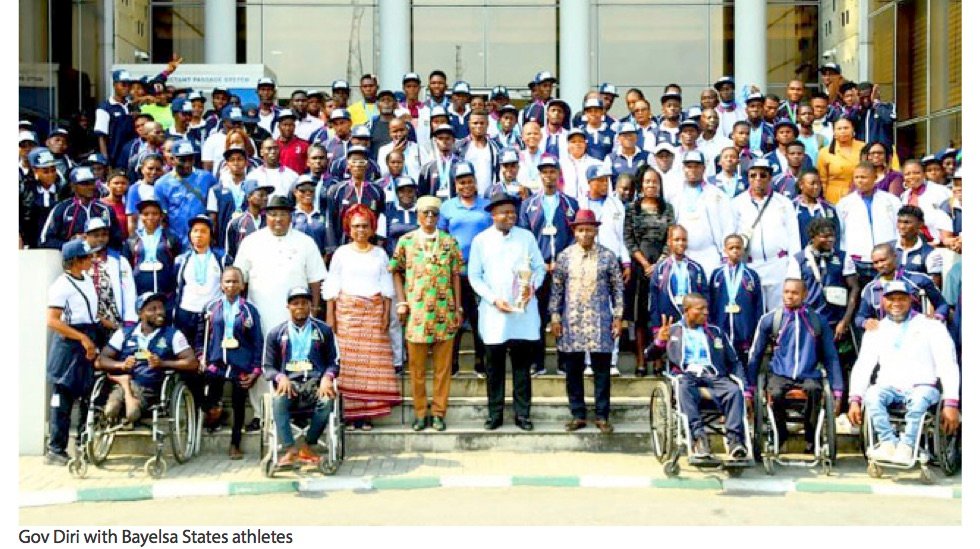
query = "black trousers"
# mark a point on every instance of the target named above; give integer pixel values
(192, 325)
(575, 384)
(471, 313)
(62, 401)
(216, 389)
(520, 362)
(778, 386)
(543, 293)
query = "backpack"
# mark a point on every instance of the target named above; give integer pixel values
(777, 324)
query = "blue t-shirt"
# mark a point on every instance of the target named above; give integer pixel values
(182, 204)
(464, 223)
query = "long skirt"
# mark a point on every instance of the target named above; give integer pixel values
(367, 375)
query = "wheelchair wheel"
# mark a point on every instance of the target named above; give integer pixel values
(183, 422)
(99, 437)
(340, 430)
(734, 472)
(946, 448)
(268, 424)
(874, 470)
(672, 469)
(77, 467)
(769, 464)
(661, 422)
(760, 431)
(328, 466)
(155, 467)
(829, 431)
(269, 467)
(926, 476)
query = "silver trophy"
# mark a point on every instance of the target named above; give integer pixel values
(522, 282)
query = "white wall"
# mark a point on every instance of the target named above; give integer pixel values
(37, 269)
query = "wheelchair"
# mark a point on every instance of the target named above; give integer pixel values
(932, 445)
(330, 460)
(766, 437)
(670, 433)
(174, 416)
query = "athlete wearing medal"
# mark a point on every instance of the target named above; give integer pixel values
(152, 251)
(301, 361)
(735, 297)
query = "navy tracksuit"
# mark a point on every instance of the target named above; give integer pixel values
(830, 274)
(663, 287)
(922, 285)
(740, 326)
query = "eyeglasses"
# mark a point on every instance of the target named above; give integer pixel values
(429, 213)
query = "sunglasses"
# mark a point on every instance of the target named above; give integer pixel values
(429, 213)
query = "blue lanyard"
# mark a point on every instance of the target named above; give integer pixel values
(755, 138)
(699, 354)
(548, 205)
(142, 341)
(229, 310)
(299, 341)
(150, 243)
(691, 195)
(681, 277)
(444, 168)
(201, 267)
(733, 279)
(237, 194)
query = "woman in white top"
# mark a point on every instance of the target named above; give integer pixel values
(358, 291)
(198, 280)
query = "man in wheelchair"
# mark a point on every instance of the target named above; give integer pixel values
(801, 340)
(301, 360)
(702, 355)
(137, 359)
(912, 352)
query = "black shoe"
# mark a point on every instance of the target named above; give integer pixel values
(56, 458)
(811, 448)
(438, 423)
(399, 371)
(738, 451)
(524, 424)
(492, 424)
(254, 425)
(539, 372)
(419, 424)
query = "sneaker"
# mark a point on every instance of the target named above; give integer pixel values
(614, 372)
(588, 371)
(438, 423)
(254, 425)
(702, 448)
(538, 372)
(738, 451)
(902, 454)
(884, 451)
(56, 458)
(419, 424)
(844, 426)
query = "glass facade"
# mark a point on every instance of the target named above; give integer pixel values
(917, 62)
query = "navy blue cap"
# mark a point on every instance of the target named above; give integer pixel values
(385, 92)
(76, 248)
(251, 185)
(443, 128)
(829, 67)
(548, 161)
(689, 123)
(361, 132)
(507, 108)
(542, 76)
(96, 158)
(232, 113)
(358, 149)
(195, 96)
(722, 81)
(668, 96)
(235, 149)
(929, 159)
(177, 105)
(438, 110)
(404, 181)
(757, 96)
(339, 114)
(287, 113)
(761, 163)
(265, 81)
(149, 297)
(576, 132)
(82, 175)
(509, 156)
(461, 87)
(58, 131)
(219, 89)
(411, 77)
(202, 219)
(95, 224)
(183, 148)
(499, 91)
(122, 75)
(41, 157)
(946, 153)
(896, 286)
(785, 122)
(299, 291)
(597, 172)
(626, 127)
(340, 85)
(606, 87)
(149, 201)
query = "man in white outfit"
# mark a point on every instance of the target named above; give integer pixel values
(704, 211)
(767, 221)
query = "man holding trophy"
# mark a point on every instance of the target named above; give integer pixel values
(505, 268)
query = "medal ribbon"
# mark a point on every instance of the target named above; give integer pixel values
(299, 341)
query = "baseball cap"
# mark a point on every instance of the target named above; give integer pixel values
(597, 172)
(121, 76)
(761, 163)
(265, 81)
(593, 103)
(626, 127)
(895, 286)
(235, 149)
(82, 174)
(339, 114)
(251, 185)
(299, 291)
(383, 93)
(411, 77)
(438, 110)
(462, 169)
(508, 108)
(689, 123)
(442, 128)
(340, 85)
(95, 224)
(96, 158)
(547, 161)
(693, 156)
(357, 149)
(26, 136)
(149, 297)
(361, 132)
(575, 132)
(287, 113)
(785, 122)
(302, 180)
(404, 181)
(722, 81)
(606, 87)
(233, 114)
(542, 76)
(195, 96)
(829, 67)
(757, 96)
(76, 248)
(668, 96)
(461, 87)
(509, 156)
(499, 91)
(201, 219)
(183, 148)
(663, 146)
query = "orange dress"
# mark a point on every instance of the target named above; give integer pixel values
(837, 170)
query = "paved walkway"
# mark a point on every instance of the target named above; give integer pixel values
(122, 478)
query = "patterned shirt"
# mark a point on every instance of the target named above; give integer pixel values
(586, 293)
(428, 266)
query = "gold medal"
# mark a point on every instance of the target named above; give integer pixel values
(142, 355)
(299, 366)
(229, 343)
(733, 309)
